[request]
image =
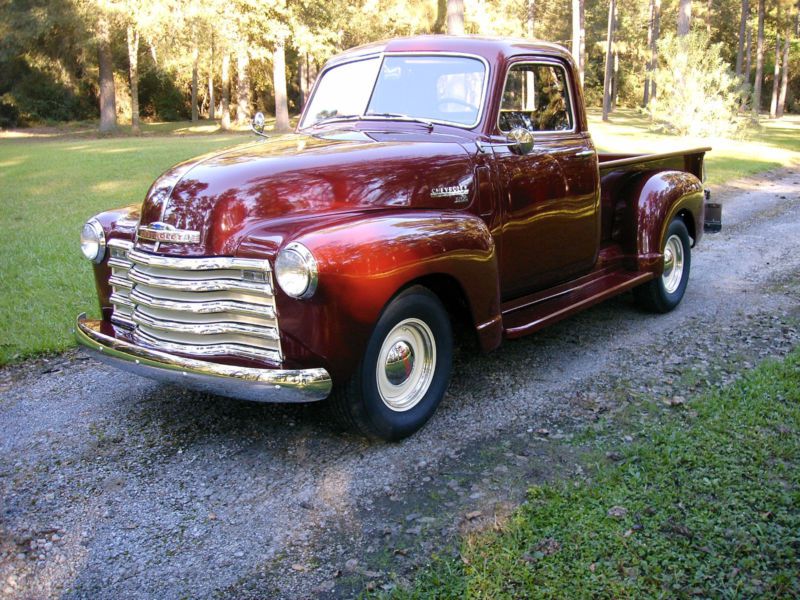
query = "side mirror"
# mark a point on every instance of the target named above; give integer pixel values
(258, 123)
(520, 141)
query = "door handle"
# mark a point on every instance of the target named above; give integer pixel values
(583, 153)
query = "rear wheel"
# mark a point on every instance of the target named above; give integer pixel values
(666, 292)
(405, 370)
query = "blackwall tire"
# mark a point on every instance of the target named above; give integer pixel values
(664, 293)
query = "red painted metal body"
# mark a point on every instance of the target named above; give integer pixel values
(559, 223)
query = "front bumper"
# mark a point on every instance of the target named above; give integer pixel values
(246, 383)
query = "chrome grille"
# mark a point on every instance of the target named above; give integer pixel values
(202, 306)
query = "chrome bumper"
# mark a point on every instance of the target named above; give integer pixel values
(246, 383)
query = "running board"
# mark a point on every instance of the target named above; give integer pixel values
(524, 316)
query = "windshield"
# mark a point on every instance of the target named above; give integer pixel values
(445, 89)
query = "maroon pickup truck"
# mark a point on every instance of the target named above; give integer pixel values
(433, 184)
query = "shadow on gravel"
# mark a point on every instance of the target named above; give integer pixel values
(185, 418)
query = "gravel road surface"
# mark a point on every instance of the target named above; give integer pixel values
(112, 486)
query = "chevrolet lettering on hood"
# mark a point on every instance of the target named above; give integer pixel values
(164, 232)
(459, 192)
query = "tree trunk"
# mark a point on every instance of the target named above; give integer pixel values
(303, 74)
(742, 35)
(615, 79)
(578, 36)
(785, 75)
(709, 12)
(530, 20)
(212, 107)
(195, 60)
(455, 17)
(759, 61)
(583, 40)
(133, 62)
(242, 85)
(749, 57)
(108, 98)
(609, 61)
(776, 76)
(684, 17)
(440, 25)
(279, 83)
(226, 91)
(746, 70)
(652, 44)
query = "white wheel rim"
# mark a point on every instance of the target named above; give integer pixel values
(673, 264)
(406, 364)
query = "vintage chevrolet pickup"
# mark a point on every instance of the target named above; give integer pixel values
(432, 183)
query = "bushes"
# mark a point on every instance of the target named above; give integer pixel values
(697, 93)
(160, 98)
(35, 94)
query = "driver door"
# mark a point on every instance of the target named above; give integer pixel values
(549, 196)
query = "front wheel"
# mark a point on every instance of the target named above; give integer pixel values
(405, 370)
(666, 292)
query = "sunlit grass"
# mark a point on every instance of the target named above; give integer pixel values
(705, 505)
(775, 145)
(53, 179)
(49, 188)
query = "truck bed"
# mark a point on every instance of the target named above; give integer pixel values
(609, 277)
(681, 160)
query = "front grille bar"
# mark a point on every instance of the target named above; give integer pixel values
(211, 306)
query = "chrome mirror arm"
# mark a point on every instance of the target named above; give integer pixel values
(519, 141)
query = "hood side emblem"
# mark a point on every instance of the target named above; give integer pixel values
(164, 232)
(459, 192)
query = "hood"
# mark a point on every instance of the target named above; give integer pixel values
(286, 181)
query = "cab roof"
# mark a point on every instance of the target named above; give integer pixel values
(493, 49)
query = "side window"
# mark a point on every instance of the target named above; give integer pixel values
(536, 98)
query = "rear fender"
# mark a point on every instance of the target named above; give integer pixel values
(364, 262)
(657, 199)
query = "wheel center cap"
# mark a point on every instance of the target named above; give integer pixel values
(669, 260)
(399, 363)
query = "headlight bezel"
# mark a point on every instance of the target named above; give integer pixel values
(298, 254)
(93, 226)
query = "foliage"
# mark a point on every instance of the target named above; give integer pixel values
(48, 53)
(160, 98)
(696, 90)
(706, 505)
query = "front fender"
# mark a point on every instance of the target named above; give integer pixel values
(656, 200)
(364, 262)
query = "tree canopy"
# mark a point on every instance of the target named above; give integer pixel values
(180, 59)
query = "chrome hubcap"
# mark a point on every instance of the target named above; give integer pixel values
(399, 363)
(406, 363)
(673, 264)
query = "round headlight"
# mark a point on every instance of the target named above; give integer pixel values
(93, 241)
(296, 271)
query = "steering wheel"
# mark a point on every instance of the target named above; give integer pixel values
(456, 101)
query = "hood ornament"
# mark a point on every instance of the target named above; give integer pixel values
(164, 232)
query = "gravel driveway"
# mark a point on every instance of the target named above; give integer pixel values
(113, 486)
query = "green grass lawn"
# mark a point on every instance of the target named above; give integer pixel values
(775, 145)
(50, 185)
(706, 505)
(54, 180)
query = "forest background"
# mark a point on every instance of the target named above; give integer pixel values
(697, 65)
